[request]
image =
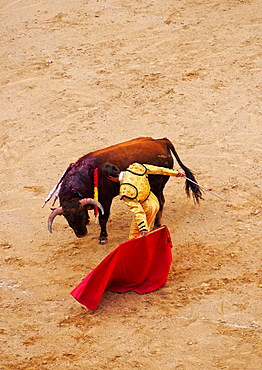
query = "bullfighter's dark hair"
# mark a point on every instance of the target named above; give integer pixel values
(111, 170)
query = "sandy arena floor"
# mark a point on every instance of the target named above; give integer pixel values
(82, 75)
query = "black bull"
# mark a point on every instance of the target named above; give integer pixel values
(78, 183)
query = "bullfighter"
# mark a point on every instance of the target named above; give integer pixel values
(136, 192)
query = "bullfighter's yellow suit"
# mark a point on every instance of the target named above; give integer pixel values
(135, 191)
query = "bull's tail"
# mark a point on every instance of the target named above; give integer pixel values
(196, 192)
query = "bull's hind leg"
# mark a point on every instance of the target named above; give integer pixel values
(159, 214)
(157, 183)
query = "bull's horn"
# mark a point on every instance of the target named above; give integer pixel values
(85, 201)
(57, 211)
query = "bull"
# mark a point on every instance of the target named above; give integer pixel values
(76, 188)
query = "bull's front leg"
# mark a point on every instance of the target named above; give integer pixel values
(103, 233)
(103, 220)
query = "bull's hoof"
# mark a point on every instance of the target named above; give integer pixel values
(102, 242)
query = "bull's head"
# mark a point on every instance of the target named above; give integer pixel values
(76, 215)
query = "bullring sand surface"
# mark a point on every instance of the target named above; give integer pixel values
(81, 75)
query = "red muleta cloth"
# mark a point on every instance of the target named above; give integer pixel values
(141, 265)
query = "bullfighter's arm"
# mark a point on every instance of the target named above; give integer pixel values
(155, 170)
(139, 213)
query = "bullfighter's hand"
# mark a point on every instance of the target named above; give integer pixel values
(180, 174)
(144, 233)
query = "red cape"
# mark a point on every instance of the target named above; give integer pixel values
(141, 265)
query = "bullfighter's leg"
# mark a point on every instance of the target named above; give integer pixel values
(151, 207)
